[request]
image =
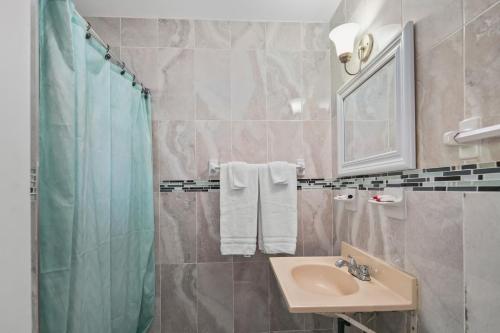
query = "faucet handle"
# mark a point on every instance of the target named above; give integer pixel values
(364, 272)
(352, 261)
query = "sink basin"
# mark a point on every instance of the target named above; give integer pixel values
(324, 280)
(316, 285)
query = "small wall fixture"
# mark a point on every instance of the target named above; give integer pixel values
(344, 36)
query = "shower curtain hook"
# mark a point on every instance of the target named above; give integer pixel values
(88, 34)
(133, 80)
(123, 68)
(107, 56)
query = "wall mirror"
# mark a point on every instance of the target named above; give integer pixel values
(376, 112)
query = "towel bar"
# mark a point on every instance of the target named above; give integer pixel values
(214, 167)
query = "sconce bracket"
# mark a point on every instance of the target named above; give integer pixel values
(365, 47)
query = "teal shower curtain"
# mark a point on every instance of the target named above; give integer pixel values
(96, 221)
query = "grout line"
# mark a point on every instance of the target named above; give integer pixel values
(479, 14)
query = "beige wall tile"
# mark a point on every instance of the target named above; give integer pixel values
(316, 89)
(434, 21)
(176, 95)
(248, 85)
(108, 28)
(285, 36)
(213, 141)
(440, 103)
(434, 254)
(212, 84)
(144, 63)
(176, 33)
(284, 85)
(212, 34)
(473, 8)
(249, 141)
(139, 32)
(482, 66)
(248, 35)
(285, 141)
(317, 148)
(482, 273)
(176, 150)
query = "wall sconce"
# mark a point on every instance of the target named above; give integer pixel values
(343, 36)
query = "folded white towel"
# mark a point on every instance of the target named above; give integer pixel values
(238, 175)
(238, 213)
(279, 172)
(278, 211)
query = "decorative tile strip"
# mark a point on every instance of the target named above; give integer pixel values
(483, 177)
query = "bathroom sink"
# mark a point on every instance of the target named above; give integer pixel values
(316, 285)
(324, 280)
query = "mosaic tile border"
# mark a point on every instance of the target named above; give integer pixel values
(483, 177)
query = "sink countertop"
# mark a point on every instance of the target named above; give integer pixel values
(333, 289)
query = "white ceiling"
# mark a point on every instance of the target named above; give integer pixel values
(237, 10)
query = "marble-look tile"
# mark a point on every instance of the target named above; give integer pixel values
(393, 322)
(334, 152)
(144, 63)
(177, 100)
(482, 46)
(248, 35)
(284, 85)
(208, 230)
(248, 85)
(178, 298)
(318, 323)
(280, 318)
(212, 34)
(176, 150)
(439, 87)
(315, 36)
(215, 298)
(341, 231)
(490, 148)
(178, 228)
(108, 28)
(283, 36)
(434, 21)
(362, 222)
(316, 90)
(251, 294)
(285, 141)
(156, 326)
(176, 33)
(472, 8)
(213, 141)
(434, 255)
(249, 141)
(317, 149)
(317, 219)
(212, 84)
(482, 273)
(139, 32)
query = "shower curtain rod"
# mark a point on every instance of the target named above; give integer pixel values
(91, 33)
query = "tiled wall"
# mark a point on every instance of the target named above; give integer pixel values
(223, 90)
(446, 237)
(456, 66)
(449, 241)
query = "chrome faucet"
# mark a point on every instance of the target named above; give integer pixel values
(359, 271)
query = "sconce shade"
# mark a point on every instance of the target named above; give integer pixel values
(343, 36)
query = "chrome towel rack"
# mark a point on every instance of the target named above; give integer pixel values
(214, 167)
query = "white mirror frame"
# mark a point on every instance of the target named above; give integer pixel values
(400, 49)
